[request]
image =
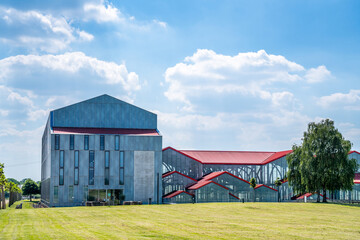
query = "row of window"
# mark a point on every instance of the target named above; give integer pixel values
(86, 142)
(92, 168)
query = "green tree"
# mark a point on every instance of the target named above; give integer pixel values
(321, 163)
(22, 182)
(278, 184)
(30, 188)
(253, 185)
(13, 192)
(3, 183)
(14, 181)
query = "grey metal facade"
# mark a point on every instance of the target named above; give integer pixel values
(139, 154)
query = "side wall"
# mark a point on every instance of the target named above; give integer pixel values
(149, 147)
(46, 164)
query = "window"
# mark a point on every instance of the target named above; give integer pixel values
(71, 142)
(76, 168)
(57, 141)
(102, 142)
(121, 175)
(91, 167)
(71, 193)
(107, 167)
(117, 142)
(86, 142)
(56, 194)
(61, 168)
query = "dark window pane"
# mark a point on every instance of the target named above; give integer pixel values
(121, 159)
(86, 142)
(107, 176)
(107, 159)
(102, 142)
(91, 159)
(76, 162)
(121, 176)
(57, 142)
(91, 176)
(117, 142)
(61, 164)
(76, 176)
(71, 142)
(61, 176)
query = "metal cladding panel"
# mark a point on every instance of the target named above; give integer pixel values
(104, 112)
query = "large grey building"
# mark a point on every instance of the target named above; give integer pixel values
(100, 150)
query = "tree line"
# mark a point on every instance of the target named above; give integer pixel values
(10, 188)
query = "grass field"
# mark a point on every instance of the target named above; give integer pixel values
(186, 221)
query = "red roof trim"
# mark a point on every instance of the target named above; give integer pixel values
(181, 153)
(271, 158)
(172, 172)
(221, 173)
(174, 194)
(120, 131)
(354, 152)
(263, 185)
(234, 196)
(203, 183)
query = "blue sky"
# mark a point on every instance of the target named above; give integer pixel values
(222, 75)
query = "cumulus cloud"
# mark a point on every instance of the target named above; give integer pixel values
(38, 31)
(348, 101)
(316, 75)
(74, 62)
(251, 73)
(102, 12)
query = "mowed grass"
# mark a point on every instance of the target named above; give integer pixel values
(185, 221)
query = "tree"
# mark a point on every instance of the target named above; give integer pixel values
(3, 183)
(14, 181)
(321, 163)
(22, 182)
(278, 184)
(30, 188)
(253, 185)
(14, 191)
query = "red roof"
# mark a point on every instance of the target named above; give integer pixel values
(216, 174)
(357, 178)
(263, 185)
(203, 183)
(234, 196)
(232, 157)
(68, 130)
(172, 172)
(173, 194)
(354, 152)
(308, 195)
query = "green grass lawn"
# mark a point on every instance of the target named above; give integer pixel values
(184, 221)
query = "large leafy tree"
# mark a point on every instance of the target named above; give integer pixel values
(321, 163)
(30, 188)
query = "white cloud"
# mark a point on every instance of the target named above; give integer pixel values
(74, 62)
(101, 12)
(38, 31)
(316, 75)
(207, 72)
(348, 101)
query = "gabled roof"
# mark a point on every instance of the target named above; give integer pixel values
(354, 152)
(172, 172)
(234, 196)
(203, 183)
(175, 193)
(232, 157)
(263, 185)
(357, 178)
(217, 174)
(309, 195)
(120, 131)
(103, 112)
